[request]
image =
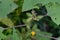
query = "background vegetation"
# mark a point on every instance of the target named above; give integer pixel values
(29, 19)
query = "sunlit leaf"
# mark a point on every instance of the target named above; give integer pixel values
(29, 4)
(6, 6)
(53, 12)
(39, 17)
(7, 22)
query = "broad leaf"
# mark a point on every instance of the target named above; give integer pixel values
(29, 4)
(6, 6)
(54, 11)
(7, 22)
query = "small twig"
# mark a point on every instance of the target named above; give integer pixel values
(37, 33)
(14, 26)
(19, 26)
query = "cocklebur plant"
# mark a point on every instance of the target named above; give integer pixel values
(24, 33)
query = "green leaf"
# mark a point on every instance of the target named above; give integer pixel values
(43, 35)
(15, 36)
(29, 14)
(28, 20)
(39, 17)
(7, 22)
(29, 4)
(6, 6)
(2, 36)
(53, 11)
(35, 28)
